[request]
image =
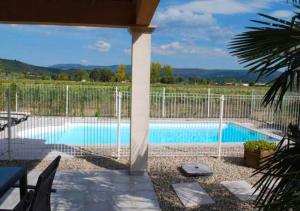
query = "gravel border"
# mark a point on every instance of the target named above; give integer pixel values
(164, 172)
(82, 163)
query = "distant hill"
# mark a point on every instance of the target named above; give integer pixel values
(222, 75)
(21, 67)
(75, 67)
(15, 66)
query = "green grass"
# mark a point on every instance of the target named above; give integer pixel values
(169, 88)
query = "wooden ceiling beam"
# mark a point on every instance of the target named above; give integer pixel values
(110, 13)
(145, 10)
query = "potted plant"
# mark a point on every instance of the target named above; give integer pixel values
(254, 151)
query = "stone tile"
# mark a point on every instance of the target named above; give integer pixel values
(104, 206)
(192, 194)
(94, 190)
(129, 202)
(139, 194)
(125, 187)
(120, 172)
(64, 205)
(241, 189)
(130, 179)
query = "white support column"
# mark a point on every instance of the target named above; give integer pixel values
(140, 100)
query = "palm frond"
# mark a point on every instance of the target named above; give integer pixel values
(279, 187)
(273, 45)
(270, 46)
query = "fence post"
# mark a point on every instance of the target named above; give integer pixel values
(251, 103)
(67, 100)
(164, 103)
(16, 108)
(208, 102)
(221, 126)
(119, 102)
(9, 124)
(116, 101)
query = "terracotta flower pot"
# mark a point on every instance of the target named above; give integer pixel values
(252, 159)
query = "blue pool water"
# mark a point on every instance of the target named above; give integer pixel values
(160, 133)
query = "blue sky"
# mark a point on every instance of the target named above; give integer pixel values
(190, 33)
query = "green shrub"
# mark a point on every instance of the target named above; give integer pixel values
(255, 146)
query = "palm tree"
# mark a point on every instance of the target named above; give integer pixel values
(273, 45)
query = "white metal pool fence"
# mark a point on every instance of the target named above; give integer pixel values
(54, 108)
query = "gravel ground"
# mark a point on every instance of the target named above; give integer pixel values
(82, 163)
(164, 172)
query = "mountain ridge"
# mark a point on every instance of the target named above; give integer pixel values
(220, 75)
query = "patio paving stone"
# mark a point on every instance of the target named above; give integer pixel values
(192, 194)
(95, 190)
(241, 189)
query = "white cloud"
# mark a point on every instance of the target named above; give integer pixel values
(179, 48)
(224, 7)
(101, 46)
(196, 19)
(84, 61)
(201, 12)
(183, 18)
(282, 14)
(168, 49)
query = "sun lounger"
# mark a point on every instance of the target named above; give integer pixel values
(14, 121)
(16, 118)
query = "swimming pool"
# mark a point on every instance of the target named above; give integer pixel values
(160, 133)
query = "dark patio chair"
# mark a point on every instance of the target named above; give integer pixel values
(41, 199)
(43, 188)
(24, 204)
(2, 127)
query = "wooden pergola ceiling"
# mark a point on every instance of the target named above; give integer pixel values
(105, 13)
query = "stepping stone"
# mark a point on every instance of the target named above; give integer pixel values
(241, 189)
(196, 169)
(192, 194)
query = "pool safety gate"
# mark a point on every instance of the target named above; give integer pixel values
(54, 108)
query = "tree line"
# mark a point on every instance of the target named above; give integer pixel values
(159, 74)
(97, 75)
